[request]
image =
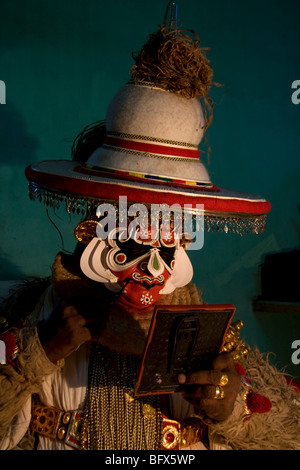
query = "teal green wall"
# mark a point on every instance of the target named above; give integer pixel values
(62, 62)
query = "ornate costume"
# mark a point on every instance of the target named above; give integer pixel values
(64, 386)
(146, 154)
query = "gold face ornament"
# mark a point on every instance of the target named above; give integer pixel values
(85, 231)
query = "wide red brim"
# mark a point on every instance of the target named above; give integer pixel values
(65, 178)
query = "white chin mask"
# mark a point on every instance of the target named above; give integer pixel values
(104, 261)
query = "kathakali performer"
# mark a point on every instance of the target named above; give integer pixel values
(71, 364)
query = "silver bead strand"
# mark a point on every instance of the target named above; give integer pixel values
(114, 420)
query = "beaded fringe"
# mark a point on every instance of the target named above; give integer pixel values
(113, 419)
(241, 224)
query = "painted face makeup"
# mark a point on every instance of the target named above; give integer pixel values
(142, 267)
(139, 268)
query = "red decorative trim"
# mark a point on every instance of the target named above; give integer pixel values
(109, 190)
(151, 148)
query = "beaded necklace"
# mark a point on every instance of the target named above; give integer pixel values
(113, 419)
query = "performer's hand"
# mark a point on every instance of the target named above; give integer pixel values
(63, 332)
(205, 391)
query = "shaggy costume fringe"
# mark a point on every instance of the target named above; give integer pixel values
(279, 429)
(17, 384)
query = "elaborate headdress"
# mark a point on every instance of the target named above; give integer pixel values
(147, 149)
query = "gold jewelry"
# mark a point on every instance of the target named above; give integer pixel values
(233, 342)
(219, 395)
(223, 380)
(85, 231)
